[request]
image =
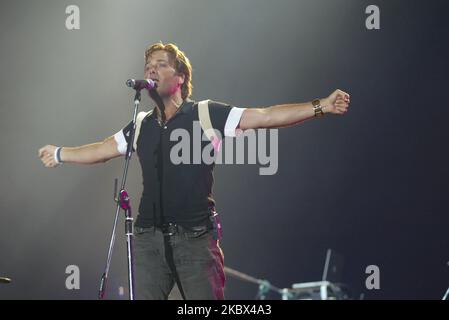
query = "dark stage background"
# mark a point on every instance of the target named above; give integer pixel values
(372, 184)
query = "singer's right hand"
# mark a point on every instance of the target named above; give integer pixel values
(47, 156)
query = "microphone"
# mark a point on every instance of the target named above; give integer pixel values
(141, 84)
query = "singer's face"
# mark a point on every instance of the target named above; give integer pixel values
(160, 69)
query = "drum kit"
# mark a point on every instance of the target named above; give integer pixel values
(328, 288)
(318, 290)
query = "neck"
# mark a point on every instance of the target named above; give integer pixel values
(171, 105)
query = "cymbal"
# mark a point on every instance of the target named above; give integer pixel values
(5, 280)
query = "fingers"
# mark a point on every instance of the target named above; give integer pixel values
(342, 101)
(341, 106)
(47, 160)
(44, 154)
(43, 151)
(47, 157)
(340, 94)
(50, 163)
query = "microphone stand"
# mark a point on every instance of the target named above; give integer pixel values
(123, 202)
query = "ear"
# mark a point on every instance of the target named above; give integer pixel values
(181, 78)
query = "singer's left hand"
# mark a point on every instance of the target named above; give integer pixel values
(336, 103)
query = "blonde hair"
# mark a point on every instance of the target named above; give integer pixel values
(180, 62)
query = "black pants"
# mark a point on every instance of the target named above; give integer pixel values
(198, 259)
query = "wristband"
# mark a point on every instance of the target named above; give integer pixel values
(58, 155)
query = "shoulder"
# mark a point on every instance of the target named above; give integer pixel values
(211, 103)
(145, 113)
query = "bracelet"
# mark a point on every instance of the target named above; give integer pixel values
(317, 108)
(58, 155)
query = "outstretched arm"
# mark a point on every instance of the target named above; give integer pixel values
(291, 114)
(86, 154)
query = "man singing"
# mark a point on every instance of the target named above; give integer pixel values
(177, 233)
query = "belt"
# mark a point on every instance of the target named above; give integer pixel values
(171, 229)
